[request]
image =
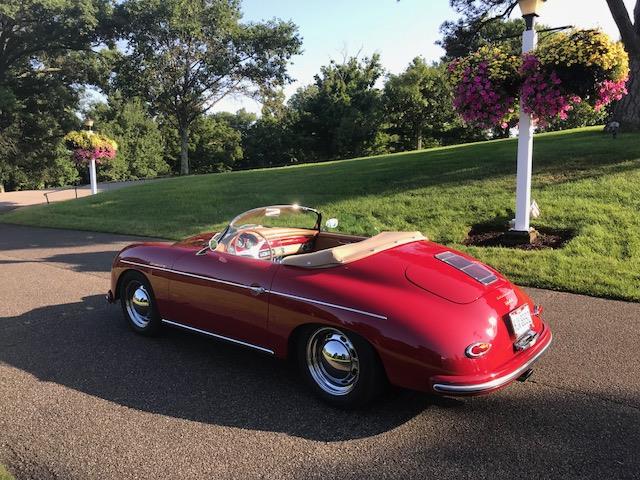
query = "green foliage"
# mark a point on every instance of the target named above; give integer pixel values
(64, 171)
(4, 474)
(140, 143)
(339, 116)
(215, 142)
(181, 57)
(417, 105)
(184, 56)
(270, 142)
(584, 181)
(215, 146)
(45, 54)
(582, 115)
(459, 39)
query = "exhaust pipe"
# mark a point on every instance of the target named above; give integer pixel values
(525, 376)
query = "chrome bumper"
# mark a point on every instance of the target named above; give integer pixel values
(492, 384)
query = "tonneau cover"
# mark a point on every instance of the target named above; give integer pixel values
(351, 252)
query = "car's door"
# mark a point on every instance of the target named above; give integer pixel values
(223, 294)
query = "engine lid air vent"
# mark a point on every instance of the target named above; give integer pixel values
(474, 269)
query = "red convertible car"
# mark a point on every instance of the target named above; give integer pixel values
(356, 313)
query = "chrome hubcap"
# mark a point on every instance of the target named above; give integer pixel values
(333, 361)
(138, 305)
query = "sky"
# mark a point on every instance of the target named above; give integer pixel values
(398, 31)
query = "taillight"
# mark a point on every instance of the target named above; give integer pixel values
(477, 349)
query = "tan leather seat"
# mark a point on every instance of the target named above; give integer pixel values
(332, 257)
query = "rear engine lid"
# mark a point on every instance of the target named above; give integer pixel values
(453, 277)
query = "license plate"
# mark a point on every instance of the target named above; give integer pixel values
(521, 320)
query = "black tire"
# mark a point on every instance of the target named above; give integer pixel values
(135, 289)
(316, 366)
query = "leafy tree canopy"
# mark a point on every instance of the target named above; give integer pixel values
(460, 39)
(183, 56)
(339, 115)
(418, 104)
(140, 145)
(48, 48)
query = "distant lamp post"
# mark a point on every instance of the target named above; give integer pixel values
(88, 125)
(522, 229)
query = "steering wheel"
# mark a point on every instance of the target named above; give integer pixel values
(250, 243)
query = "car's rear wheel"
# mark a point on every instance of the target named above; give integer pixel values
(341, 367)
(138, 304)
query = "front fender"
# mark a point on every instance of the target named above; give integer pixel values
(140, 257)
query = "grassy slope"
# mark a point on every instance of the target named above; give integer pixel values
(4, 474)
(583, 180)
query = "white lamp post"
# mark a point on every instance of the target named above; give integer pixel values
(522, 229)
(88, 123)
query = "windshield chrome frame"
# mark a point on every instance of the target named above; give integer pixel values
(230, 226)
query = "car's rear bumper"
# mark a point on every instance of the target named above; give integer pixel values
(477, 385)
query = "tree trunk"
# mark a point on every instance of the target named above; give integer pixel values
(419, 139)
(184, 150)
(1, 187)
(627, 110)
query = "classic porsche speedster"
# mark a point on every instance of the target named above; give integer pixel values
(355, 313)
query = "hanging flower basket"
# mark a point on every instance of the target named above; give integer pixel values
(486, 87)
(566, 69)
(542, 92)
(87, 146)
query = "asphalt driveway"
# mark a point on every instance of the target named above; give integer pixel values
(81, 397)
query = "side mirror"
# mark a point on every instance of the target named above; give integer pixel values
(213, 243)
(332, 223)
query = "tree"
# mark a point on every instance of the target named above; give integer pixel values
(47, 49)
(240, 121)
(627, 111)
(582, 115)
(340, 115)
(140, 149)
(477, 13)
(460, 39)
(272, 141)
(184, 56)
(216, 146)
(417, 104)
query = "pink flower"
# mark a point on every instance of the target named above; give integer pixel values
(609, 91)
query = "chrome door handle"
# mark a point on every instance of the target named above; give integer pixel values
(257, 290)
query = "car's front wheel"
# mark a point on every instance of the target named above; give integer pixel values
(138, 304)
(341, 367)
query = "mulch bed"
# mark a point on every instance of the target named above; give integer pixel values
(495, 236)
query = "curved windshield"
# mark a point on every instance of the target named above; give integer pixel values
(260, 219)
(278, 216)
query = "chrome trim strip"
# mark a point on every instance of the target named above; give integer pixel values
(186, 274)
(497, 382)
(215, 335)
(248, 287)
(326, 304)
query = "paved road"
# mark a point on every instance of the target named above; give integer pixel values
(81, 397)
(23, 198)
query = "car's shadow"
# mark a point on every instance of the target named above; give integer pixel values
(88, 347)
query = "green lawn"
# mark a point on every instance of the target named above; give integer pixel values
(583, 180)
(4, 474)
